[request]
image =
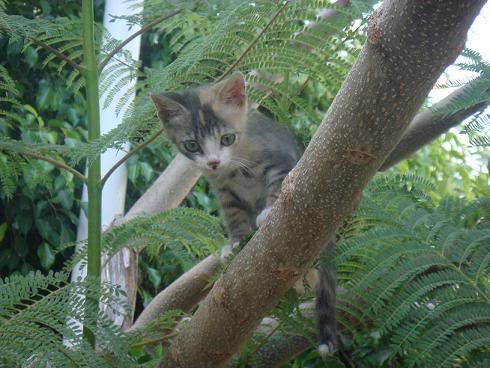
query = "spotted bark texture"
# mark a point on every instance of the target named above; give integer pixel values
(409, 44)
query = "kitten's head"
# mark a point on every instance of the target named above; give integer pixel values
(206, 124)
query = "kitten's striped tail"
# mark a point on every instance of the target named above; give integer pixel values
(325, 310)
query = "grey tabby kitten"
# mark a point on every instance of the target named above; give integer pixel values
(245, 156)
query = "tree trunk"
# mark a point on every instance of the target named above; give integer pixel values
(409, 44)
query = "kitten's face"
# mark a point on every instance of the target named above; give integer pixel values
(206, 124)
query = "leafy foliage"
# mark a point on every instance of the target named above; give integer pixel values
(35, 307)
(292, 58)
(477, 92)
(33, 314)
(188, 233)
(42, 210)
(418, 275)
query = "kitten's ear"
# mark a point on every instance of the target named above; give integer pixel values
(166, 107)
(231, 92)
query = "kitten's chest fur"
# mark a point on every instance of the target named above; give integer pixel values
(249, 185)
(267, 152)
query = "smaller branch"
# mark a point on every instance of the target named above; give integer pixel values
(58, 53)
(58, 164)
(429, 125)
(169, 190)
(281, 349)
(183, 294)
(128, 155)
(254, 41)
(278, 347)
(136, 34)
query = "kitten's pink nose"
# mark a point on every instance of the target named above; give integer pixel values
(213, 164)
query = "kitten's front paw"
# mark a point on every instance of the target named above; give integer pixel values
(259, 221)
(227, 251)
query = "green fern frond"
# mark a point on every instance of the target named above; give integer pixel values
(8, 97)
(17, 27)
(480, 141)
(476, 92)
(11, 167)
(14, 155)
(62, 34)
(33, 314)
(238, 38)
(419, 273)
(189, 233)
(116, 76)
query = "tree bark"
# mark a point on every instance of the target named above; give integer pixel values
(409, 44)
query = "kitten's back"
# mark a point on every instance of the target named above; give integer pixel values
(271, 139)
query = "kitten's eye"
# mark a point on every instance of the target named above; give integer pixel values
(191, 146)
(227, 139)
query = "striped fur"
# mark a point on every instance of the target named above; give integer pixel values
(247, 174)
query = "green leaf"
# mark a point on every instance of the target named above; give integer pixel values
(154, 277)
(3, 230)
(31, 56)
(65, 199)
(46, 256)
(45, 226)
(21, 247)
(24, 221)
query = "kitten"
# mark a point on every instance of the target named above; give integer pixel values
(245, 156)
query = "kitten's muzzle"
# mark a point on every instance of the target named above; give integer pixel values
(213, 164)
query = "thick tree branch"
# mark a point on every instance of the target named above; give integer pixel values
(409, 45)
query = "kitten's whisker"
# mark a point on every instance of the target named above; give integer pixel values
(240, 164)
(246, 161)
(243, 164)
